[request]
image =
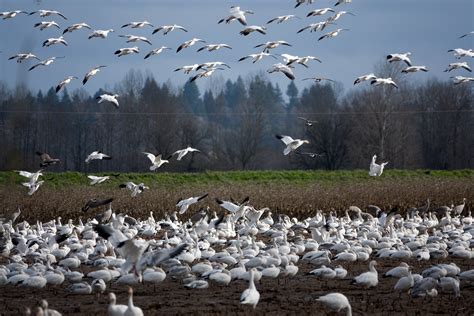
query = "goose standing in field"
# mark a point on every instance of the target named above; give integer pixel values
(97, 155)
(271, 45)
(45, 62)
(189, 43)
(156, 51)
(115, 309)
(213, 47)
(100, 33)
(454, 66)
(183, 152)
(48, 311)
(136, 25)
(307, 122)
(134, 38)
(414, 69)
(318, 12)
(467, 34)
(404, 284)
(54, 41)
(94, 203)
(461, 79)
(286, 70)
(376, 170)
(135, 188)
(184, 204)
(75, 27)
(363, 78)
(367, 279)
(91, 73)
(314, 27)
(11, 14)
(457, 210)
(332, 34)
(257, 57)
(126, 51)
(46, 160)
(97, 180)
(336, 302)
(64, 82)
(236, 14)
(44, 13)
(169, 28)
(253, 28)
(112, 98)
(250, 296)
(46, 24)
(399, 57)
(291, 144)
(383, 81)
(157, 161)
(282, 18)
(23, 56)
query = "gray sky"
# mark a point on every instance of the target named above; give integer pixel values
(426, 28)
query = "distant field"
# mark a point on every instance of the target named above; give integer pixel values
(296, 193)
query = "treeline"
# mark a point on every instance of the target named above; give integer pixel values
(427, 125)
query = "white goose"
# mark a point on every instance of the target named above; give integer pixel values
(32, 186)
(363, 78)
(338, 15)
(286, 70)
(415, 69)
(250, 296)
(213, 47)
(126, 51)
(184, 204)
(332, 34)
(282, 18)
(135, 188)
(100, 33)
(271, 45)
(46, 24)
(11, 14)
(91, 73)
(291, 144)
(314, 27)
(112, 98)
(399, 57)
(183, 152)
(169, 28)
(23, 56)
(336, 302)
(134, 38)
(136, 25)
(54, 41)
(64, 82)
(44, 13)
(76, 27)
(257, 57)
(156, 51)
(189, 43)
(322, 11)
(45, 62)
(132, 310)
(376, 170)
(97, 180)
(461, 79)
(454, 66)
(383, 81)
(156, 161)
(253, 28)
(236, 14)
(115, 309)
(367, 279)
(97, 155)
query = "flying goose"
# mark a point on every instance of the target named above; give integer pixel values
(232, 206)
(454, 66)
(399, 57)
(363, 78)
(376, 169)
(383, 81)
(311, 155)
(212, 64)
(320, 12)
(76, 27)
(64, 82)
(23, 56)
(236, 14)
(43, 13)
(213, 47)
(97, 180)
(108, 98)
(126, 51)
(97, 155)
(54, 41)
(91, 73)
(137, 24)
(332, 34)
(157, 161)
(318, 79)
(271, 45)
(133, 38)
(290, 59)
(286, 70)
(94, 203)
(11, 14)
(189, 43)
(414, 69)
(253, 28)
(169, 28)
(46, 160)
(156, 51)
(32, 176)
(46, 24)
(461, 79)
(100, 33)
(338, 15)
(257, 57)
(300, 2)
(460, 52)
(290, 143)
(307, 122)
(135, 188)
(342, 2)
(184, 204)
(314, 27)
(183, 152)
(45, 62)
(33, 186)
(467, 34)
(282, 18)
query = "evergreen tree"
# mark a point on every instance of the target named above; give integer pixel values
(191, 97)
(292, 93)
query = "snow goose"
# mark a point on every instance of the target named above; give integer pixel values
(169, 28)
(126, 51)
(197, 284)
(98, 286)
(156, 51)
(257, 57)
(324, 273)
(184, 204)
(45, 62)
(32, 186)
(290, 143)
(461, 79)
(44, 13)
(336, 302)
(467, 276)
(232, 206)
(398, 272)
(271, 45)
(46, 24)
(48, 311)
(383, 81)
(11, 14)
(314, 27)
(332, 34)
(457, 210)
(54, 41)
(115, 309)
(282, 18)
(189, 43)
(155, 275)
(286, 70)
(91, 73)
(136, 25)
(100, 33)
(405, 283)
(183, 152)
(157, 161)
(112, 98)
(97, 155)
(31, 176)
(135, 188)
(338, 15)
(76, 27)
(367, 279)
(205, 73)
(363, 78)
(212, 64)
(461, 52)
(213, 47)
(318, 79)
(134, 38)
(23, 56)
(449, 284)
(424, 287)
(340, 272)
(253, 28)
(342, 2)
(236, 14)
(82, 288)
(250, 296)
(188, 68)
(307, 122)
(132, 310)
(467, 34)
(414, 69)
(399, 57)
(322, 11)
(454, 66)
(300, 2)
(64, 82)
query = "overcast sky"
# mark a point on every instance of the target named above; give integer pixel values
(426, 28)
